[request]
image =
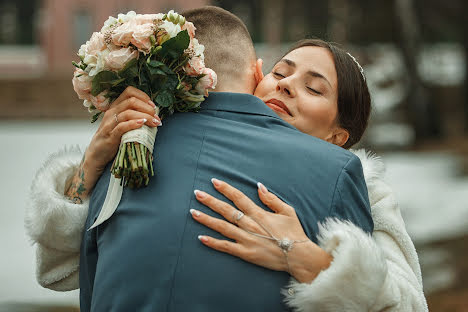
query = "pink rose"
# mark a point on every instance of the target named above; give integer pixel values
(141, 19)
(207, 82)
(82, 84)
(117, 59)
(122, 35)
(190, 29)
(141, 37)
(195, 66)
(101, 102)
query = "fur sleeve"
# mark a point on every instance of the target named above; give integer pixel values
(55, 223)
(378, 273)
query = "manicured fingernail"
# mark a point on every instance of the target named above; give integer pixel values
(151, 103)
(202, 238)
(199, 194)
(195, 212)
(215, 182)
(141, 121)
(262, 188)
(157, 122)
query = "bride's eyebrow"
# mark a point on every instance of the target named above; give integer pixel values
(309, 73)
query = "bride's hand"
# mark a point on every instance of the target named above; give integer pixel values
(304, 261)
(129, 111)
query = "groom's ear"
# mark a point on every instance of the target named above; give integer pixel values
(258, 71)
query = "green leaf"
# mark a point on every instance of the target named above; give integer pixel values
(171, 82)
(130, 70)
(156, 71)
(102, 81)
(117, 81)
(155, 64)
(95, 117)
(174, 47)
(165, 98)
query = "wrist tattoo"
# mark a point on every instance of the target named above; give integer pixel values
(77, 187)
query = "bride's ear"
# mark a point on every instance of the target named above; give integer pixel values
(339, 137)
(258, 71)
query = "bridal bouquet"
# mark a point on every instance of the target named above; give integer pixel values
(156, 53)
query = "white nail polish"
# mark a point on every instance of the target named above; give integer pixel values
(195, 212)
(195, 192)
(262, 188)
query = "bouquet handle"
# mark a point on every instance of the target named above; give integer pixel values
(144, 135)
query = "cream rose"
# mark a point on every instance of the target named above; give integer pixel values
(141, 19)
(122, 35)
(117, 59)
(207, 82)
(141, 37)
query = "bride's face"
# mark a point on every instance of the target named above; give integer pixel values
(302, 89)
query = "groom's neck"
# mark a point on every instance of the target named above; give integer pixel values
(247, 88)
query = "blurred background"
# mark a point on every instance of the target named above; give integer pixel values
(414, 57)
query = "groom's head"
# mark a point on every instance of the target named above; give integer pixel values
(229, 50)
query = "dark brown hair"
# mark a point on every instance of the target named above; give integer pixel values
(354, 101)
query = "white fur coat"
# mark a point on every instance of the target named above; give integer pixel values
(378, 273)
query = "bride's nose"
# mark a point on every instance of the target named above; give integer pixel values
(284, 85)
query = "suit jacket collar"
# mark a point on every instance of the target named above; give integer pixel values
(238, 102)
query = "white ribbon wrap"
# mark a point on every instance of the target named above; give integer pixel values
(144, 135)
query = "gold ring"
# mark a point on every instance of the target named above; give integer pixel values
(116, 118)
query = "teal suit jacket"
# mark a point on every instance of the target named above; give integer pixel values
(147, 257)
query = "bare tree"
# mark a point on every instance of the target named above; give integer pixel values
(421, 111)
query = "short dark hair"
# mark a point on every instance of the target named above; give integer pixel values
(229, 48)
(354, 101)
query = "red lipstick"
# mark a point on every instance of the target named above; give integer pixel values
(278, 106)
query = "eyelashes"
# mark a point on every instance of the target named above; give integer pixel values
(281, 76)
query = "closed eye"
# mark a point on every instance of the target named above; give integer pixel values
(314, 91)
(278, 75)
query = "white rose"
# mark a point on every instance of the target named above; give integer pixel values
(111, 21)
(198, 48)
(171, 28)
(82, 51)
(101, 64)
(123, 18)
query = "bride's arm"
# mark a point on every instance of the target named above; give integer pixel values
(60, 191)
(363, 273)
(55, 223)
(378, 273)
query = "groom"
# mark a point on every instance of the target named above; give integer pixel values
(147, 256)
